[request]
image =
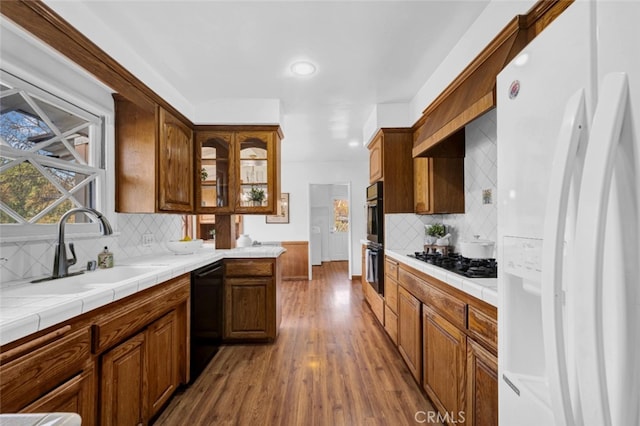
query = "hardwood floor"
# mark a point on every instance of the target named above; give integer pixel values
(331, 365)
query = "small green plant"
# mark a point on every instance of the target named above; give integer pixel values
(204, 174)
(435, 230)
(256, 194)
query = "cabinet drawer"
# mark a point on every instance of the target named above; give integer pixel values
(391, 268)
(376, 302)
(483, 328)
(248, 268)
(137, 313)
(448, 306)
(391, 295)
(28, 377)
(391, 324)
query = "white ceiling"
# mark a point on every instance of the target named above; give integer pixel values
(196, 52)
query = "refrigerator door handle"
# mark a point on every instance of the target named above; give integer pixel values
(572, 131)
(590, 232)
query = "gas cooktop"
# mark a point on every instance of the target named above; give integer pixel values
(470, 268)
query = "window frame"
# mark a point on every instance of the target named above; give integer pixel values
(99, 127)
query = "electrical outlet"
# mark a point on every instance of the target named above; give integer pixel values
(147, 239)
(487, 196)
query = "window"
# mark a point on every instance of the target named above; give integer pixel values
(340, 215)
(50, 155)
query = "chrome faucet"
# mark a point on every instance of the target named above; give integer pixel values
(60, 262)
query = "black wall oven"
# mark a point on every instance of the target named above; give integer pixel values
(375, 214)
(375, 235)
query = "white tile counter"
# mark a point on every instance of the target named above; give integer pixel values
(26, 308)
(485, 289)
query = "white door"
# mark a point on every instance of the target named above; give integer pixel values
(339, 234)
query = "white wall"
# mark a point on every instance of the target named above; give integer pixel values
(296, 177)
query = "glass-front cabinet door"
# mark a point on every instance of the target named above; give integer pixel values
(255, 172)
(214, 160)
(238, 169)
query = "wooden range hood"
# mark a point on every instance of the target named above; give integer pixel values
(473, 92)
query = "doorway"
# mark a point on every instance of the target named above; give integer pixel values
(330, 223)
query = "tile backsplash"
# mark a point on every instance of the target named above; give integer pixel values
(27, 259)
(406, 231)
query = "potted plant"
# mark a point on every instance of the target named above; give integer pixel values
(433, 232)
(204, 174)
(256, 195)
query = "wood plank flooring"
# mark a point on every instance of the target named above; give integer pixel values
(331, 365)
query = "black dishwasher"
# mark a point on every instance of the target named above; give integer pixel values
(206, 315)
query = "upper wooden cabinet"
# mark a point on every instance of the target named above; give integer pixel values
(438, 182)
(390, 161)
(154, 160)
(438, 185)
(234, 166)
(375, 159)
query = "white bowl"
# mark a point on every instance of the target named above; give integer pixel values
(184, 247)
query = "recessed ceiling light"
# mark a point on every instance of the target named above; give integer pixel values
(354, 144)
(303, 68)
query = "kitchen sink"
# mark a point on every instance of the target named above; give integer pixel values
(117, 273)
(60, 287)
(81, 283)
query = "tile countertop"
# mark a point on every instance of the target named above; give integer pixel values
(26, 308)
(481, 288)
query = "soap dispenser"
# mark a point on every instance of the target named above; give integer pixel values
(105, 259)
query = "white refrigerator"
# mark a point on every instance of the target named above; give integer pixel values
(568, 116)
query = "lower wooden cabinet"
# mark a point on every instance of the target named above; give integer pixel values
(410, 331)
(116, 366)
(42, 366)
(123, 386)
(163, 360)
(252, 305)
(482, 386)
(74, 396)
(445, 353)
(391, 324)
(140, 374)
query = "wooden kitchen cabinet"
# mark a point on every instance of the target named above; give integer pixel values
(231, 163)
(375, 159)
(74, 396)
(390, 161)
(154, 160)
(438, 185)
(391, 299)
(445, 354)
(42, 366)
(482, 386)
(141, 374)
(123, 384)
(163, 357)
(410, 332)
(252, 309)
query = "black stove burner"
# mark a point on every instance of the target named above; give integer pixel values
(470, 268)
